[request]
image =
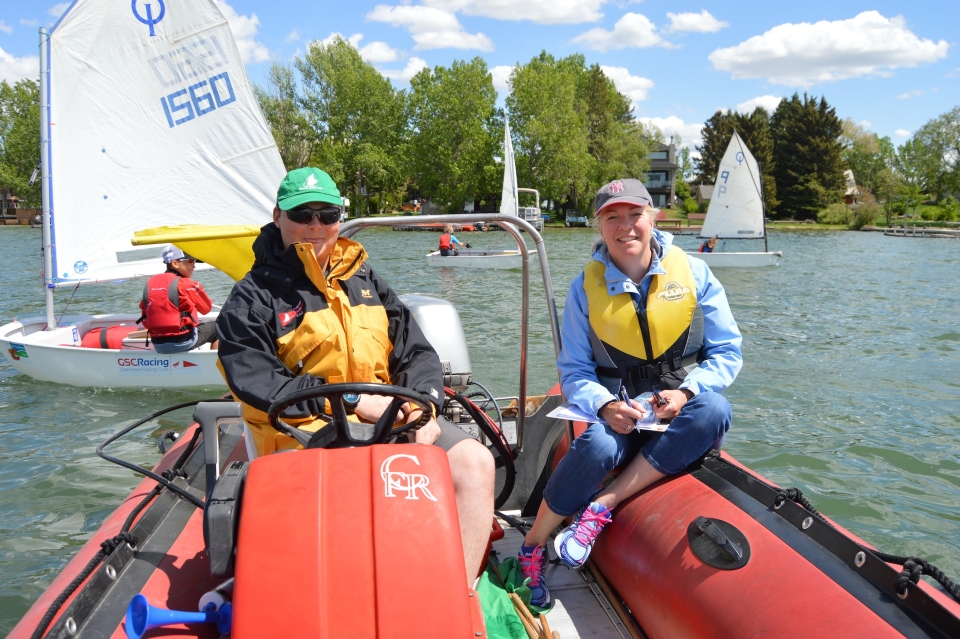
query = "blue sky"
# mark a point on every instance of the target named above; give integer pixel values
(890, 66)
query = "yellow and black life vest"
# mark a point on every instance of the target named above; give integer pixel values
(651, 346)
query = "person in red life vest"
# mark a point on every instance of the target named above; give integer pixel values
(171, 306)
(449, 244)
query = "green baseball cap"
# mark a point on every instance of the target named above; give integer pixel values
(308, 184)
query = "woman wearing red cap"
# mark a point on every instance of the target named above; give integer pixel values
(643, 317)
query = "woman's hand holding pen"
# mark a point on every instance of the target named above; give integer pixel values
(621, 416)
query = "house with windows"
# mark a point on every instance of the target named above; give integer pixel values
(662, 173)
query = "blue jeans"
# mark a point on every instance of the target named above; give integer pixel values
(701, 425)
(167, 348)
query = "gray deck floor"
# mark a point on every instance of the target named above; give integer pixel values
(581, 609)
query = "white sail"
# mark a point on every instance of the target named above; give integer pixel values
(509, 196)
(153, 122)
(736, 209)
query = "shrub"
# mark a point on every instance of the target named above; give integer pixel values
(952, 207)
(866, 214)
(946, 212)
(690, 205)
(835, 214)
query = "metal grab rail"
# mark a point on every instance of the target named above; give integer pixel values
(512, 226)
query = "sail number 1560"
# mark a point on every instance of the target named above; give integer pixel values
(198, 99)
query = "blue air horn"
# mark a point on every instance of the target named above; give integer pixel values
(141, 616)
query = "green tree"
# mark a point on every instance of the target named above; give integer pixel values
(452, 119)
(866, 154)
(808, 166)
(617, 144)
(941, 139)
(913, 164)
(280, 104)
(550, 133)
(20, 139)
(685, 173)
(357, 121)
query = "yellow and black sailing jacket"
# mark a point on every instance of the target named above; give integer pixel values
(650, 344)
(287, 326)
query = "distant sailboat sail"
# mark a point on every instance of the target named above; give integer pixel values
(509, 197)
(736, 209)
(152, 122)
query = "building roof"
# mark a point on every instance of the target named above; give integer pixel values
(703, 191)
(852, 188)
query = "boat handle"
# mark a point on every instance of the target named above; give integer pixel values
(708, 528)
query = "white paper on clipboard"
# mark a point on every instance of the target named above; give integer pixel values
(576, 414)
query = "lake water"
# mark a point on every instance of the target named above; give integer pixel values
(849, 389)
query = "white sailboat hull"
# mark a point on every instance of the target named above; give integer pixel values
(143, 114)
(56, 356)
(478, 258)
(740, 260)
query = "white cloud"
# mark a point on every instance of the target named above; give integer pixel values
(633, 86)
(701, 22)
(804, 54)
(690, 134)
(377, 52)
(633, 30)
(353, 40)
(538, 11)
(293, 37)
(768, 102)
(501, 78)
(6, 28)
(901, 133)
(864, 124)
(414, 65)
(431, 28)
(910, 94)
(14, 69)
(245, 33)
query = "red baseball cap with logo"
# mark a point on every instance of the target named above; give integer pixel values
(629, 190)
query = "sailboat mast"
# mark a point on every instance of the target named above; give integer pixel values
(763, 206)
(45, 186)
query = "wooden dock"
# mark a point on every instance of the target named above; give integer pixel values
(916, 230)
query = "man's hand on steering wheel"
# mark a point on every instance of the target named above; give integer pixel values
(393, 410)
(371, 407)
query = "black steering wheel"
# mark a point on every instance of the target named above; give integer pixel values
(337, 433)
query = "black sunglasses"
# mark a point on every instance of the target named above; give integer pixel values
(304, 214)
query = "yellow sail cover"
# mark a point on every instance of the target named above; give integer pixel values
(228, 248)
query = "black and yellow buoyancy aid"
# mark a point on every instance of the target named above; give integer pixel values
(646, 347)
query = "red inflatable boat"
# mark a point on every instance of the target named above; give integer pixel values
(362, 541)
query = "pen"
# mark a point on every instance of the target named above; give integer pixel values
(626, 398)
(658, 400)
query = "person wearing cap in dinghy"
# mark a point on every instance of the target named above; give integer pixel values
(313, 311)
(171, 303)
(643, 316)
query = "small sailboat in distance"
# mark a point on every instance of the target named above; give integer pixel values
(736, 210)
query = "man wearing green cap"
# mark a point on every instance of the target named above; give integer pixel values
(311, 311)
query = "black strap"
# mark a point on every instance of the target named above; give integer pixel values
(647, 372)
